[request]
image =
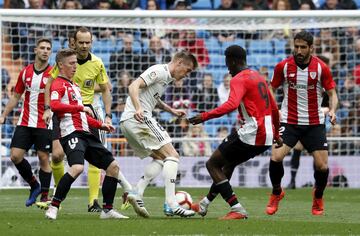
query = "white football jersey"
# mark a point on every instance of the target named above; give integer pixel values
(156, 78)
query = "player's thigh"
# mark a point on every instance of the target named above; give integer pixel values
(314, 139)
(22, 138)
(299, 146)
(167, 150)
(74, 146)
(42, 139)
(144, 137)
(97, 155)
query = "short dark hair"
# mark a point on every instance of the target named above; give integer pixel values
(40, 40)
(82, 29)
(63, 53)
(71, 35)
(306, 36)
(186, 55)
(236, 52)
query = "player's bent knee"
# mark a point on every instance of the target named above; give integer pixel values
(16, 158)
(113, 169)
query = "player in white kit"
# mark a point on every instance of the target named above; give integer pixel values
(145, 135)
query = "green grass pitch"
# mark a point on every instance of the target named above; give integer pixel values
(294, 217)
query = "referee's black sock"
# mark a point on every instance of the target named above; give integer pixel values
(276, 170)
(45, 179)
(213, 192)
(294, 163)
(62, 189)
(321, 178)
(227, 193)
(24, 169)
(108, 191)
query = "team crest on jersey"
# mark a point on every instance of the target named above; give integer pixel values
(45, 80)
(153, 75)
(313, 75)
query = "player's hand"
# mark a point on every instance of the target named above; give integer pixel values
(278, 142)
(179, 112)
(47, 116)
(139, 115)
(108, 120)
(107, 127)
(332, 116)
(88, 111)
(2, 120)
(195, 119)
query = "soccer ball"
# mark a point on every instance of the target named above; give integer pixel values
(184, 199)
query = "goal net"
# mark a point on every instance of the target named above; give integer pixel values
(128, 42)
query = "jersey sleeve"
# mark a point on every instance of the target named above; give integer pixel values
(93, 123)
(20, 84)
(278, 75)
(274, 115)
(102, 77)
(237, 91)
(327, 81)
(57, 91)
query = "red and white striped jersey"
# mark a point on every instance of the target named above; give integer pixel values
(303, 90)
(66, 103)
(33, 84)
(257, 108)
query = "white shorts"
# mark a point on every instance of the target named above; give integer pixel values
(144, 137)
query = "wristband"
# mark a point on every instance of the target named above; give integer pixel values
(46, 107)
(108, 115)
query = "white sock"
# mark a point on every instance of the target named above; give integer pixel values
(169, 172)
(151, 171)
(206, 201)
(124, 183)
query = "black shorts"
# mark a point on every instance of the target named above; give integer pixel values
(24, 137)
(312, 137)
(94, 131)
(81, 145)
(55, 128)
(236, 151)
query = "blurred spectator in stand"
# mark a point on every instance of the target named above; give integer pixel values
(348, 5)
(221, 133)
(120, 90)
(196, 46)
(196, 148)
(104, 5)
(35, 4)
(264, 71)
(119, 5)
(205, 97)
(71, 5)
(304, 5)
(327, 45)
(89, 4)
(347, 98)
(224, 89)
(256, 4)
(52, 4)
(152, 5)
(280, 5)
(228, 5)
(16, 4)
(125, 59)
(356, 74)
(156, 54)
(353, 53)
(330, 5)
(177, 95)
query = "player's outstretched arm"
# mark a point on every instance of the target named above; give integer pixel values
(165, 107)
(134, 90)
(13, 101)
(196, 119)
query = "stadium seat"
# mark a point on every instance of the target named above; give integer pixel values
(357, 3)
(137, 46)
(118, 45)
(105, 57)
(204, 34)
(217, 3)
(218, 75)
(212, 44)
(56, 46)
(216, 60)
(52, 58)
(239, 42)
(201, 5)
(103, 46)
(267, 60)
(260, 46)
(279, 46)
